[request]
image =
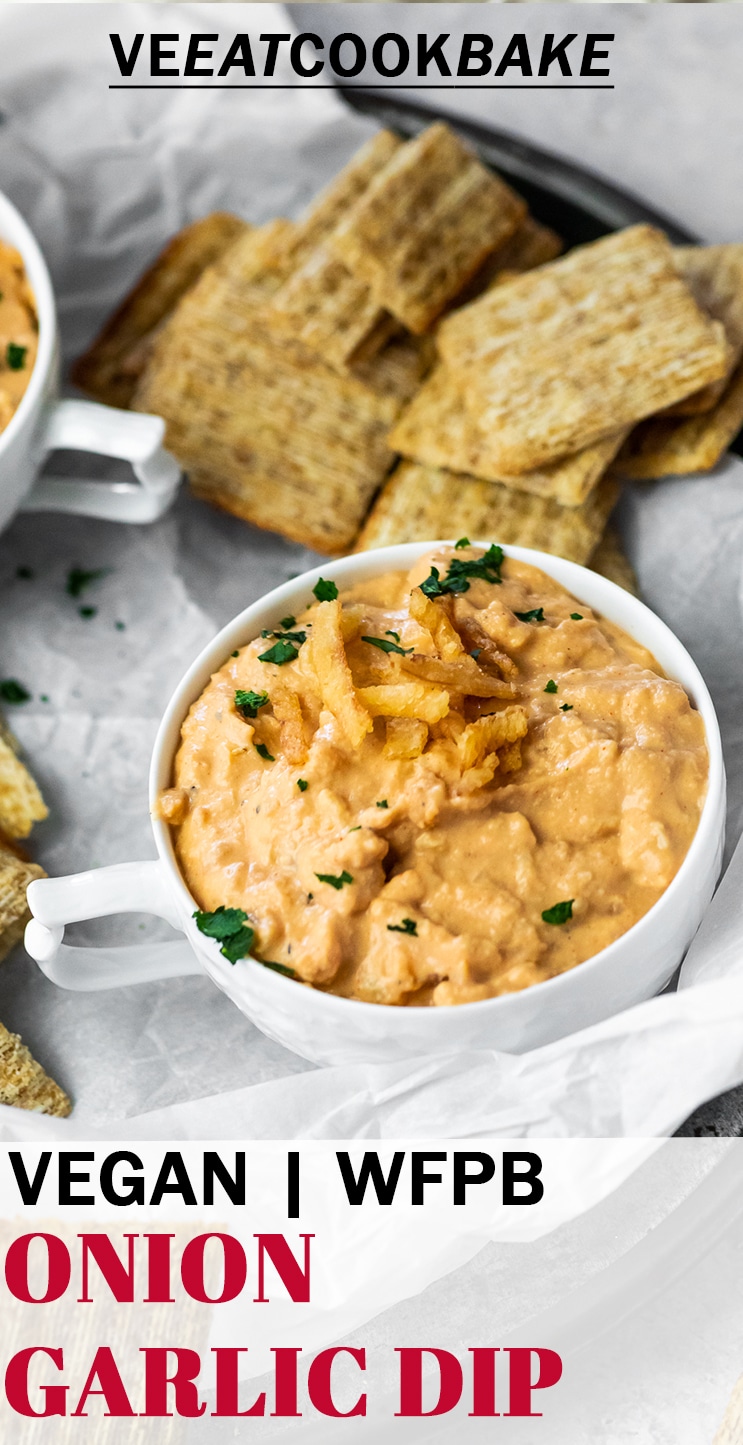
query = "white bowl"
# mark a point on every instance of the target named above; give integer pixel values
(332, 1030)
(42, 424)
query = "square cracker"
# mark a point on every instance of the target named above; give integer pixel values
(15, 875)
(266, 430)
(531, 245)
(334, 202)
(580, 348)
(425, 225)
(714, 275)
(111, 367)
(668, 446)
(437, 428)
(421, 503)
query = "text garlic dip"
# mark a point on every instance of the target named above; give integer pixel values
(435, 794)
(18, 332)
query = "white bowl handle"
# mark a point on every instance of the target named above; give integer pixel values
(136, 437)
(122, 888)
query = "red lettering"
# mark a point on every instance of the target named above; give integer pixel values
(59, 1269)
(118, 1277)
(290, 1272)
(157, 1379)
(16, 1385)
(158, 1269)
(319, 1384)
(112, 1389)
(483, 1381)
(520, 1380)
(235, 1269)
(411, 1381)
(228, 1384)
(285, 1375)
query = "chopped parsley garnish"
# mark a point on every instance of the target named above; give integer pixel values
(263, 752)
(248, 703)
(385, 646)
(576, 616)
(230, 927)
(120, 626)
(280, 653)
(25, 573)
(551, 686)
(536, 615)
(559, 912)
(324, 590)
(87, 612)
(267, 632)
(78, 579)
(394, 635)
(16, 356)
(408, 925)
(383, 803)
(277, 967)
(302, 784)
(487, 568)
(357, 829)
(236, 653)
(287, 622)
(298, 637)
(566, 707)
(476, 652)
(12, 691)
(463, 542)
(335, 880)
(43, 697)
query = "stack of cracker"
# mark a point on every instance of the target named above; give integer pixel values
(23, 1082)
(414, 359)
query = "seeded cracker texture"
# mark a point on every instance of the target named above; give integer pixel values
(418, 503)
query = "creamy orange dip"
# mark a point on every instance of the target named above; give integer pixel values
(545, 766)
(18, 332)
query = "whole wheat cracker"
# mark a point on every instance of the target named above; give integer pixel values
(714, 274)
(21, 803)
(110, 368)
(667, 446)
(419, 503)
(15, 875)
(424, 226)
(266, 431)
(437, 428)
(575, 350)
(23, 1082)
(531, 245)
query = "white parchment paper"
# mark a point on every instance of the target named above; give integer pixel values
(105, 178)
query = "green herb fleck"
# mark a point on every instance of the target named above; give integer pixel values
(267, 632)
(280, 653)
(263, 752)
(277, 967)
(476, 652)
(566, 707)
(287, 622)
(310, 897)
(16, 356)
(487, 568)
(298, 637)
(25, 573)
(385, 646)
(559, 912)
(43, 697)
(229, 926)
(78, 579)
(576, 616)
(335, 880)
(120, 626)
(236, 653)
(87, 612)
(302, 784)
(536, 615)
(324, 590)
(394, 635)
(408, 925)
(12, 691)
(383, 803)
(551, 686)
(463, 542)
(248, 703)
(357, 829)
